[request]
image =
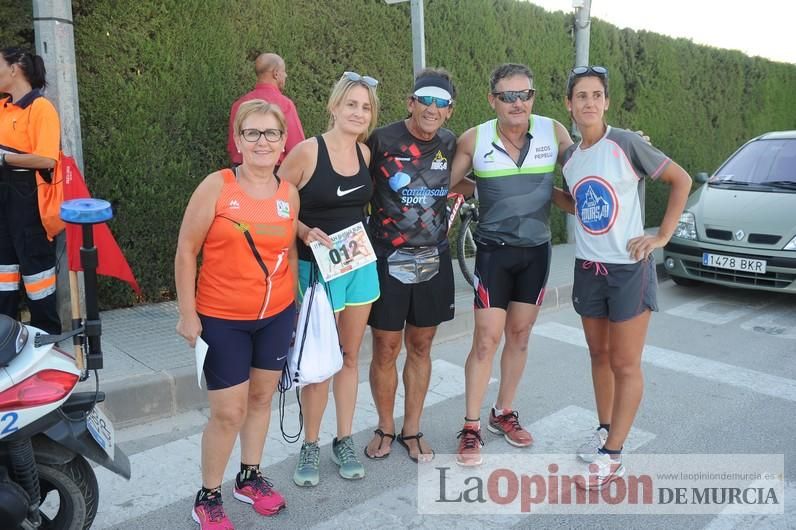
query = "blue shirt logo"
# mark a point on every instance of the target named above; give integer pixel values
(596, 205)
(399, 180)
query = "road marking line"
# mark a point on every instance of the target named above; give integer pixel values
(759, 382)
(559, 433)
(716, 309)
(170, 483)
(779, 323)
(727, 520)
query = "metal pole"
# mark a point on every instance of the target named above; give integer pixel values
(582, 34)
(418, 36)
(55, 42)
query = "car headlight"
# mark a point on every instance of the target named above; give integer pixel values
(791, 244)
(686, 227)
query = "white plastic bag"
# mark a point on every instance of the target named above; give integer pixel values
(316, 354)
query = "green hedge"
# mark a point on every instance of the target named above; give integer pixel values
(157, 78)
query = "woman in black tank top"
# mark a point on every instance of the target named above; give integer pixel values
(331, 174)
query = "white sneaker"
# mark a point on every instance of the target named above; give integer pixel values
(588, 450)
(602, 471)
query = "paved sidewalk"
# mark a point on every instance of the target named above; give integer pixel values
(149, 370)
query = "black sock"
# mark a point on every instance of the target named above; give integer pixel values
(611, 452)
(207, 492)
(606, 426)
(468, 420)
(247, 471)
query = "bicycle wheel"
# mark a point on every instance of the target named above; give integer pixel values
(465, 246)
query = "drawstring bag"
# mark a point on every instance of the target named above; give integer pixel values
(316, 354)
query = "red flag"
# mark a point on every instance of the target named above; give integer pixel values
(111, 259)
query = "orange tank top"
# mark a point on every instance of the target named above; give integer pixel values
(232, 283)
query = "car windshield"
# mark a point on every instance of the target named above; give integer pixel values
(763, 163)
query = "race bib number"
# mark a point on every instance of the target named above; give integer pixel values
(351, 250)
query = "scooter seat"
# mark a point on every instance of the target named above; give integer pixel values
(10, 347)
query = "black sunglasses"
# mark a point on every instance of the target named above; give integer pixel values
(510, 96)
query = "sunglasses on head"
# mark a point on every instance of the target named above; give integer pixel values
(429, 100)
(600, 71)
(510, 96)
(253, 135)
(356, 78)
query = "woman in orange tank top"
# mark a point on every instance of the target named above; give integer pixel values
(244, 222)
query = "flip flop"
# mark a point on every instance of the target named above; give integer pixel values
(382, 436)
(402, 440)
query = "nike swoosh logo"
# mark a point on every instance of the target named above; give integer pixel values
(280, 358)
(342, 193)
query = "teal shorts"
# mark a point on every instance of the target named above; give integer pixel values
(359, 287)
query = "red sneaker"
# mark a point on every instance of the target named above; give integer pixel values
(259, 492)
(209, 513)
(509, 426)
(469, 452)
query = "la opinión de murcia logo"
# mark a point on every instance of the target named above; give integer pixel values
(653, 484)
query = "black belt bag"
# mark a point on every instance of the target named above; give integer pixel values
(411, 265)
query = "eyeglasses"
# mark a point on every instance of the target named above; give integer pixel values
(253, 135)
(430, 100)
(356, 78)
(510, 96)
(600, 71)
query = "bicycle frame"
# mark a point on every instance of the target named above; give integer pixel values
(458, 200)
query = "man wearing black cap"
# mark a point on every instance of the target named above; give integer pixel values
(410, 166)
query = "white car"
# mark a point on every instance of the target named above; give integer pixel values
(739, 228)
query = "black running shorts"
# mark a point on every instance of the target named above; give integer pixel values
(237, 346)
(422, 304)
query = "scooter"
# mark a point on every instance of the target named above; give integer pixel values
(48, 432)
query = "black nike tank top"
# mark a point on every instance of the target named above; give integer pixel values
(331, 201)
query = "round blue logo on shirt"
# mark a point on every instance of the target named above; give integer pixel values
(596, 205)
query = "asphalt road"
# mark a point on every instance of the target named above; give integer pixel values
(720, 371)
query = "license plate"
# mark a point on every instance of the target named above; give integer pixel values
(101, 430)
(734, 263)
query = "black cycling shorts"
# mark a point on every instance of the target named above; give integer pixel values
(506, 274)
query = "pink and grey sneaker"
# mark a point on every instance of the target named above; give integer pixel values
(260, 493)
(508, 425)
(468, 454)
(208, 512)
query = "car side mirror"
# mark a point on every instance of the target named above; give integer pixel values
(701, 177)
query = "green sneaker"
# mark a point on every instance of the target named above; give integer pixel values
(344, 455)
(307, 468)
